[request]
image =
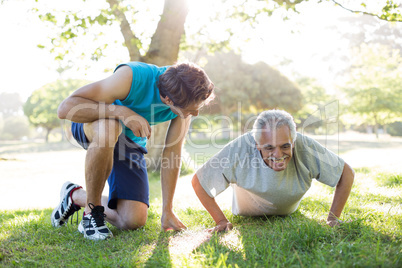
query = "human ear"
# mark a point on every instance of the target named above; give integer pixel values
(167, 100)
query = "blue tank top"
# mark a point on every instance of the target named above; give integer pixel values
(144, 98)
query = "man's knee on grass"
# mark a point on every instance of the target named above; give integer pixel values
(133, 224)
(132, 215)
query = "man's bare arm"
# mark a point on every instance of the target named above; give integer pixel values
(171, 159)
(94, 101)
(222, 223)
(341, 195)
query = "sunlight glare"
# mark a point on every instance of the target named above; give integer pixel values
(233, 241)
(22, 220)
(185, 242)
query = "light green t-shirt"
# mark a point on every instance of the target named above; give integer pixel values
(240, 163)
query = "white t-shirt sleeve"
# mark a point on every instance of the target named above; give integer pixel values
(323, 165)
(213, 175)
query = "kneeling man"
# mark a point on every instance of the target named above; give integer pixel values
(270, 169)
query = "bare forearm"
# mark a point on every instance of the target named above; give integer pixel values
(170, 170)
(81, 110)
(342, 192)
(213, 208)
(208, 202)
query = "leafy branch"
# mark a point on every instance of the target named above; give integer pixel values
(387, 9)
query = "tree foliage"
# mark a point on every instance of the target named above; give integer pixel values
(253, 88)
(367, 29)
(388, 10)
(160, 47)
(71, 27)
(41, 106)
(14, 128)
(12, 124)
(10, 104)
(374, 90)
(315, 98)
(73, 24)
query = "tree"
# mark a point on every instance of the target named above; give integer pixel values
(374, 90)
(250, 88)
(388, 10)
(169, 36)
(257, 87)
(15, 127)
(358, 30)
(12, 124)
(41, 106)
(365, 29)
(10, 104)
(314, 100)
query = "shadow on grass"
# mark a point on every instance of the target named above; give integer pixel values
(160, 256)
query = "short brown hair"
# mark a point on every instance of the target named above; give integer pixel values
(184, 84)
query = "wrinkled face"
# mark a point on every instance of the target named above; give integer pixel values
(276, 147)
(192, 109)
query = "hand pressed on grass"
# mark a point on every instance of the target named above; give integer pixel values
(222, 226)
(170, 222)
(333, 221)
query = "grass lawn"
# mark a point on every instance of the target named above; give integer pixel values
(372, 238)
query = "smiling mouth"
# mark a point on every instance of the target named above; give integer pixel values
(277, 160)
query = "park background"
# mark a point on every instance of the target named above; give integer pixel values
(336, 68)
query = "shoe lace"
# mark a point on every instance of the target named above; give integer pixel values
(97, 214)
(77, 216)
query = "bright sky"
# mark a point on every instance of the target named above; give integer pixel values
(25, 68)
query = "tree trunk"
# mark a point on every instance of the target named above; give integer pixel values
(48, 130)
(63, 132)
(226, 128)
(376, 126)
(130, 40)
(165, 43)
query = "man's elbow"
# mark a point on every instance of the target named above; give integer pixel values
(195, 182)
(62, 111)
(352, 173)
(198, 189)
(348, 175)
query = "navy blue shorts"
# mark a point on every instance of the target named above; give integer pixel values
(129, 177)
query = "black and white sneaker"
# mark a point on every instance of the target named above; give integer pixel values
(66, 208)
(93, 225)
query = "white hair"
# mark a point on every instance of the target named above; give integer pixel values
(273, 119)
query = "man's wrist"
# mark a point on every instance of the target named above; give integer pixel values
(168, 208)
(222, 221)
(332, 215)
